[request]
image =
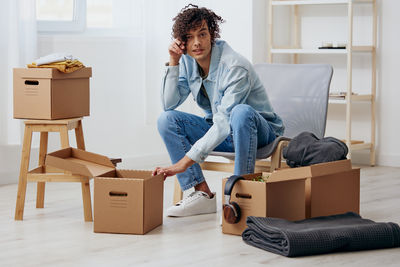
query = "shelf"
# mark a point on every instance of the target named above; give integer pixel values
(298, 54)
(316, 2)
(361, 146)
(39, 174)
(365, 48)
(308, 51)
(342, 99)
(321, 51)
(358, 144)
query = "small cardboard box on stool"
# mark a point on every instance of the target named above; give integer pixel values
(46, 93)
(125, 201)
(297, 193)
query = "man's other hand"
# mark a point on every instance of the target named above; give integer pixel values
(176, 49)
(178, 167)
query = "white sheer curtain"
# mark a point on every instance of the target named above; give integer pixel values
(18, 46)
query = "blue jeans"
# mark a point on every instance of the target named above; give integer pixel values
(249, 131)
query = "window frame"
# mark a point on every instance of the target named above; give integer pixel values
(77, 24)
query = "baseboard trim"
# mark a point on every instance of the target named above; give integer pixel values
(363, 158)
(8, 177)
(10, 157)
(388, 160)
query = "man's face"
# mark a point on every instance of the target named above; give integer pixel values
(198, 43)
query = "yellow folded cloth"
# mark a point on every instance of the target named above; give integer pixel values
(66, 66)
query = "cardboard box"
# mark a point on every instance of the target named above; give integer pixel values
(125, 201)
(46, 93)
(297, 193)
(274, 198)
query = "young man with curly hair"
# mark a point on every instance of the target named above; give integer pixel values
(238, 115)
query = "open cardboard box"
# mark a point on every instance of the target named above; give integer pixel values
(297, 193)
(125, 201)
(46, 93)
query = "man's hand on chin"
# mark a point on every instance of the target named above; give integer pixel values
(178, 167)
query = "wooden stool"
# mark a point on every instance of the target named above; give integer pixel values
(43, 174)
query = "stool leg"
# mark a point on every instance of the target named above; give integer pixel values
(178, 194)
(80, 141)
(42, 156)
(87, 201)
(64, 137)
(64, 140)
(26, 153)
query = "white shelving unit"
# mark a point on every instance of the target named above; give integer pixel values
(296, 50)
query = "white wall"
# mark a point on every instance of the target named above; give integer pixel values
(388, 84)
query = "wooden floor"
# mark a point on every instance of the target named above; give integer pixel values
(58, 236)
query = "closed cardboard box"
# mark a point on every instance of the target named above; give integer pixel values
(298, 193)
(128, 201)
(274, 198)
(46, 93)
(125, 201)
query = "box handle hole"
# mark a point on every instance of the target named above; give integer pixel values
(240, 195)
(29, 82)
(118, 194)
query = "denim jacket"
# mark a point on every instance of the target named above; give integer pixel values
(231, 81)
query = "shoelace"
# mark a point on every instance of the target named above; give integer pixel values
(189, 198)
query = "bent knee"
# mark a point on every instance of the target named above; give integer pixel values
(241, 114)
(166, 119)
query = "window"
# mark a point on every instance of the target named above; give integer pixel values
(90, 16)
(48, 10)
(61, 15)
(99, 14)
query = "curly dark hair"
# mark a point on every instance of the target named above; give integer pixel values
(190, 17)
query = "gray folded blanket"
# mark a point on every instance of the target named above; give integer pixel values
(342, 232)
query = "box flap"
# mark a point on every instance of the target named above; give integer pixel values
(273, 177)
(330, 167)
(310, 171)
(51, 73)
(79, 162)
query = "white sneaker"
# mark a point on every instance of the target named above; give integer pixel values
(198, 202)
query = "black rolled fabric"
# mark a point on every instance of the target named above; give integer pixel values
(342, 232)
(306, 149)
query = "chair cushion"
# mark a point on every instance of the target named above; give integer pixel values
(262, 153)
(266, 151)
